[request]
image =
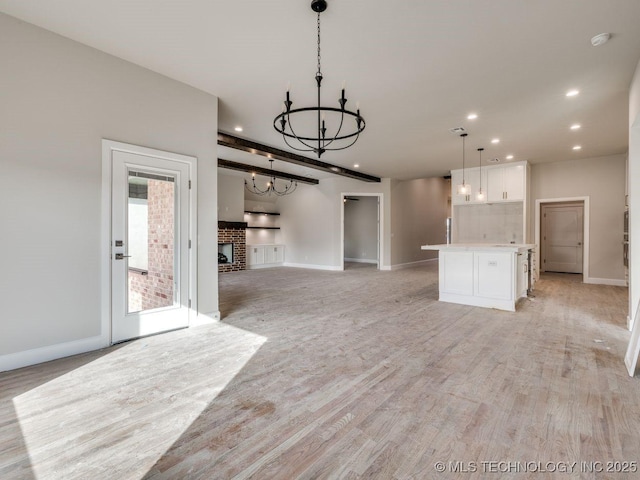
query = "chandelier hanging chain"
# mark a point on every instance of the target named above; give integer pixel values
(319, 142)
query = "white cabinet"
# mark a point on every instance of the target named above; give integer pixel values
(262, 256)
(522, 274)
(506, 183)
(471, 177)
(273, 254)
(255, 255)
(483, 275)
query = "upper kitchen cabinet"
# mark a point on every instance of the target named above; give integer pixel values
(471, 177)
(507, 183)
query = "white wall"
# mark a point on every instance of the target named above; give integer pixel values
(311, 221)
(361, 229)
(601, 179)
(634, 193)
(59, 100)
(419, 210)
(230, 198)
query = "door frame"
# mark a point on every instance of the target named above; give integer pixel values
(585, 234)
(109, 146)
(545, 206)
(380, 225)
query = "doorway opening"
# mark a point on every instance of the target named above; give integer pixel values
(562, 234)
(361, 230)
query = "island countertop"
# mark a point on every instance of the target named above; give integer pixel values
(493, 247)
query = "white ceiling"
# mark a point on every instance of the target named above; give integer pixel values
(417, 67)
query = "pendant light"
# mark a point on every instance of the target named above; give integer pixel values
(464, 188)
(480, 195)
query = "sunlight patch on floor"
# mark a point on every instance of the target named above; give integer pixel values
(152, 396)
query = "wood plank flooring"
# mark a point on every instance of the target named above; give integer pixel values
(358, 374)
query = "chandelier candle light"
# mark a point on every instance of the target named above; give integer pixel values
(321, 140)
(271, 186)
(464, 188)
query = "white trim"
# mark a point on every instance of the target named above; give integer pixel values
(381, 259)
(361, 260)
(50, 352)
(507, 305)
(314, 267)
(586, 227)
(264, 265)
(605, 281)
(402, 266)
(204, 319)
(108, 147)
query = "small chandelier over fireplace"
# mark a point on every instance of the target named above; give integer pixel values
(289, 187)
(345, 131)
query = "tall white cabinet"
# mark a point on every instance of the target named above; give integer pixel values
(501, 217)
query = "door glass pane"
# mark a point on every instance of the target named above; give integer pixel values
(150, 242)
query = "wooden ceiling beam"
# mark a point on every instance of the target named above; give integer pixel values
(271, 152)
(243, 167)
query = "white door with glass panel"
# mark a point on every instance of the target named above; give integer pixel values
(150, 210)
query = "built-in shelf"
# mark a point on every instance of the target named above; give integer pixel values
(264, 228)
(261, 213)
(232, 225)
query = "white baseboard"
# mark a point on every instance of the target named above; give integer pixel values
(51, 352)
(264, 265)
(313, 267)
(204, 319)
(401, 266)
(605, 281)
(361, 260)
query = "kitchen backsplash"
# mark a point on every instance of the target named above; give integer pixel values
(488, 223)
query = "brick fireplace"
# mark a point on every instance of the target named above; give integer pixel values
(233, 233)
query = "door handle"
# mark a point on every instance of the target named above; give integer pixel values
(579, 243)
(121, 256)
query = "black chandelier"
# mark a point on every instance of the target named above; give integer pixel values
(271, 186)
(320, 141)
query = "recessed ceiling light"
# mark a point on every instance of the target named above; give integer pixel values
(575, 126)
(238, 128)
(356, 165)
(600, 39)
(573, 93)
(577, 147)
(509, 157)
(472, 116)
(495, 140)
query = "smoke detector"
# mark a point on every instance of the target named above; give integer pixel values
(457, 130)
(600, 39)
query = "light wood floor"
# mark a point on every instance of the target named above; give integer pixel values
(355, 374)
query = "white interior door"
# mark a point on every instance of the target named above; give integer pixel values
(149, 245)
(562, 238)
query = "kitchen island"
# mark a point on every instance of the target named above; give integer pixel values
(483, 275)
